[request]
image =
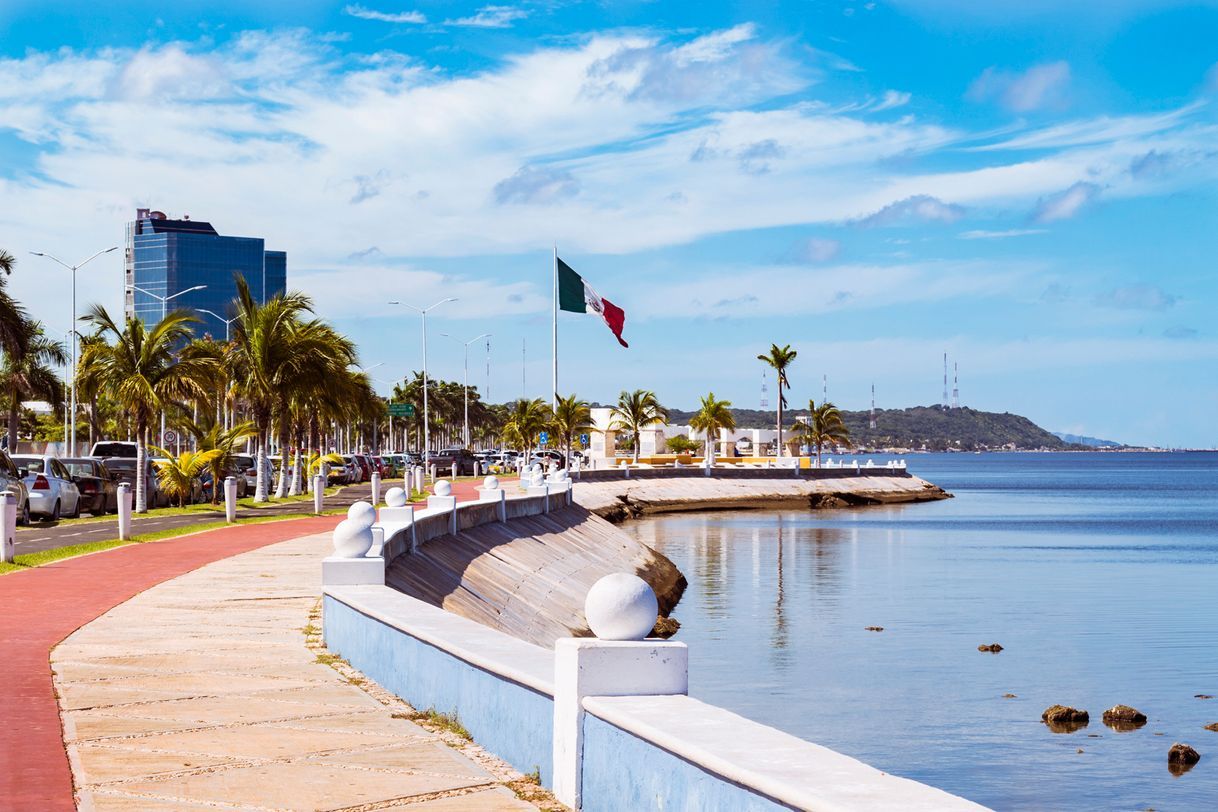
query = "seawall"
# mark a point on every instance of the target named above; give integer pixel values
(617, 497)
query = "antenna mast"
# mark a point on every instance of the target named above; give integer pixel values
(945, 400)
(871, 423)
(955, 385)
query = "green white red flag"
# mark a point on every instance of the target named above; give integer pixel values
(575, 295)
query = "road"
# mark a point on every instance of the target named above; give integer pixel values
(41, 536)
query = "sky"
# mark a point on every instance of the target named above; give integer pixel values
(1027, 186)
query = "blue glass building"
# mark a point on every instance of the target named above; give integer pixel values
(165, 257)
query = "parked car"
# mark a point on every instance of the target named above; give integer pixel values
(52, 492)
(124, 469)
(236, 472)
(544, 457)
(365, 467)
(463, 457)
(98, 486)
(113, 448)
(12, 480)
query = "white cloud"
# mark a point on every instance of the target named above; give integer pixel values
(1066, 204)
(982, 234)
(892, 99)
(914, 209)
(1036, 88)
(413, 17)
(491, 17)
(816, 249)
(1137, 297)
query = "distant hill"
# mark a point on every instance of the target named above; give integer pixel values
(933, 427)
(1091, 442)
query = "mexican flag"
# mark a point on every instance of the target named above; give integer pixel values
(575, 295)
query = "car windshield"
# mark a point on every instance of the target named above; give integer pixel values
(121, 464)
(78, 468)
(32, 464)
(114, 450)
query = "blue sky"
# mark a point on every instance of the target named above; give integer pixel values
(1029, 189)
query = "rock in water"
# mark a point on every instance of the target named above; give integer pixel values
(1123, 718)
(1212, 726)
(873, 629)
(992, 647)
(1181, 758)
(1064, 719)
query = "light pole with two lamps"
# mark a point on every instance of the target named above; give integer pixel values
(466, 345)
(164, 300)
(73, 268)
(422, 311)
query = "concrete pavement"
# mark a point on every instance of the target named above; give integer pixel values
(200, 693)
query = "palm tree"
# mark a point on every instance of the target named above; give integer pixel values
(27, 375)
(824, 426)
(141, 370)
(263, 360)
(14, 321)
(780, 358)
(713, 415)
(572, 417)
(526, 420)
(176, 475)
(636, 411)
(212, 436)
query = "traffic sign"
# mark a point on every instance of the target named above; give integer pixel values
(545, 438)
(583, 440)
(170, 437)
(401, 410)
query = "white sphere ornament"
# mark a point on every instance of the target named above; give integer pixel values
(352, 539)
(362, 513)
(491, 483)
(443, 488)
(621, 606)
(395, 497)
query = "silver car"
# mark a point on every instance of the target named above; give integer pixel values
(10, 480)
(52, 491)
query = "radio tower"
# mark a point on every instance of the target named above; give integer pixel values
(765, 394)
(871, 423)
(945, 400)
(955, 385)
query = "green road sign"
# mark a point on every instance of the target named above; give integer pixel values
(401, 410)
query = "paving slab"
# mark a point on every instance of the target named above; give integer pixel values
(198, 694)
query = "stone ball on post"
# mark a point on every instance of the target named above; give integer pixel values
(352, 539)
(395, 497)
(621, 606)
(362, 513)
(490, 483)
(443, 488)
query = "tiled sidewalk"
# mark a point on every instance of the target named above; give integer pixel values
(201, 694)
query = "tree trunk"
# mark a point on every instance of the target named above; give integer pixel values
(14, 420)
(281, 489)
(260, 489)
(141, 458)
(778, 447)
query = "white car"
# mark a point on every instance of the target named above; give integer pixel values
(52, 491)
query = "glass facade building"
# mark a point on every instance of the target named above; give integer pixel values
(165, 257)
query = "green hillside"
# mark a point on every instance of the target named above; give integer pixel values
(934, 427)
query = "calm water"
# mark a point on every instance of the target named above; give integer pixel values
(1098, 573)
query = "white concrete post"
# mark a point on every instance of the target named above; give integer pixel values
(124, 511)
(319, 493)
(8, 526)
(376, 488)
(491, 492)
(444, 500)
(433, 472)
(621, 611)
(477, 468)
(454, 468)
(230, 499)
(351, 565)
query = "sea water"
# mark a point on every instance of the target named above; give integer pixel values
(1096, 572)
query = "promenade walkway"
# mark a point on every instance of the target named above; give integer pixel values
(171, 650)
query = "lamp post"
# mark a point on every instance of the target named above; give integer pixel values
(164, 300)
(376, 430)
(227, 325)
(466, 345)
(73, 268)
(422, 311)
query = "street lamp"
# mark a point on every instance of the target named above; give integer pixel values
(227, 324)
(422, 311)
(72, 268)
(164, 300)
(466, 345)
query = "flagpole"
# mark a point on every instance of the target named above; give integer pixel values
(554, 391)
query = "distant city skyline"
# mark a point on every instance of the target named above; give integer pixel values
(1028, 189)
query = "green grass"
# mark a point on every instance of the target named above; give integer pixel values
(27, 561)
(446, 721)
(189, 510)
